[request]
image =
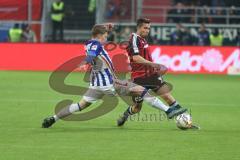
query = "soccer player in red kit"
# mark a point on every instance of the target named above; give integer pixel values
(143, 70)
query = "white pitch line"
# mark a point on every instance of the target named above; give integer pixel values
(211, 104)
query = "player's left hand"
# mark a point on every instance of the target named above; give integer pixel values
(110, 26)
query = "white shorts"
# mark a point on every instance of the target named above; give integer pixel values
(121, 87)
(95, 93)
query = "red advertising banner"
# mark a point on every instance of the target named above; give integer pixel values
(18, 9)
(42, 57)
(47, 57)
(210, 60)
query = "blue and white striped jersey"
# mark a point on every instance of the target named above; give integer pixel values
(102, 73)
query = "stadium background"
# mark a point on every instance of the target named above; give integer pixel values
(205, 79)
(165, 15)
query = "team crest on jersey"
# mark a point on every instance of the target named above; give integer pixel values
(94, 47)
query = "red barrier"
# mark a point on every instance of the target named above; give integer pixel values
(44, 57)
(47, 57)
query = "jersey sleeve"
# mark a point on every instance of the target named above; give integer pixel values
(92, 51)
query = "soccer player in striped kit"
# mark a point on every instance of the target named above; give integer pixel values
(141, 61)
(103, 81)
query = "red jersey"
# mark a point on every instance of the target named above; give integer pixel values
(138, 46)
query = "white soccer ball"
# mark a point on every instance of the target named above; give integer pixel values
(184, 121)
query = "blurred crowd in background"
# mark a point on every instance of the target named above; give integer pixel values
(65, 15)
(181, 35)
(203, 12)
(185, 11)
(198, 11)
(118, 9)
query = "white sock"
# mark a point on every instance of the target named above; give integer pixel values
(67, 111)
(74, 108)
(155, 102)
(56, 117)
(174, 104)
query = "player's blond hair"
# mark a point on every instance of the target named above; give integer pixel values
(99, 29)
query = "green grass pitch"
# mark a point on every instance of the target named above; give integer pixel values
(26, 99)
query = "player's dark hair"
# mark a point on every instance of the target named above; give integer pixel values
(99, 29)
(141, 21)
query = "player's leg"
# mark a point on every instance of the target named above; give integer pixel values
(127, 88)
(153, 83)
(139, 94)
(89, 97)
(142, 93)
(68, 110)
(163, 89)
(170, 100)
(65, 112)
(158, 104)
(131, 110)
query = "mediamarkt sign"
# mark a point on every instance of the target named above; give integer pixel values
(218, 60)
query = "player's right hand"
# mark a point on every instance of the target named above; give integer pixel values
(159, 69)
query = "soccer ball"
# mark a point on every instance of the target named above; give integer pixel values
(184, 121)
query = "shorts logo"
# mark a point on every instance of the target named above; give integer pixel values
(138, 99)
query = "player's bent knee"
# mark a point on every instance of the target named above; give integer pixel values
(83, 103)
(137, 90)
(136, 109)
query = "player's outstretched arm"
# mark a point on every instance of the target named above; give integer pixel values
(87, 60)
(159, 68)
(109, 26)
